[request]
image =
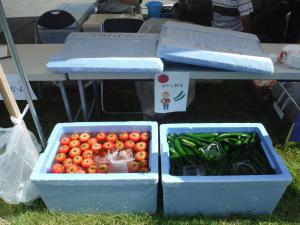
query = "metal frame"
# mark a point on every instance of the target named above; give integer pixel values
(64, 95)
(86, 112)
(284, 100)
(21, 73)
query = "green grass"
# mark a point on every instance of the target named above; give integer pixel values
(287, 211)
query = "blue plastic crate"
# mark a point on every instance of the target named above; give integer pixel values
(90, 193)
(222, 195)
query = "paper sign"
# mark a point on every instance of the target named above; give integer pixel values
(17, 88)
(171, 91)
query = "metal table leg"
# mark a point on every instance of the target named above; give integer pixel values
(63, 92)
(83, 100)
(96, 94)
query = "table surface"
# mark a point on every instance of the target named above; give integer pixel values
(281, 72)
(34, 58)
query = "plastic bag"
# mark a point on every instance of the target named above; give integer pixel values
(19, 152)
(116, 160)
(119, 159)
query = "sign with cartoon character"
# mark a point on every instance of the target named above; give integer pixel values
(171, 91)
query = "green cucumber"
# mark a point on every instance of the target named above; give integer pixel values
(187, 142)
(233, 134)
(194, 140)
(184, 153)
(203, 135)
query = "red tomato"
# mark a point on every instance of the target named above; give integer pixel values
(80, 171)
(74, 143)
(84, 146)
(92, 169)
(133, 166)
(129, 144)
(72, 169)
(103, 152)
(77, 160)
(65, 141)
(57, 168)
(67, 162)
(64, 149)
(119, 145)
(92, 141)
(103, 168)
(96, 148)
(144, 163)
(87, 154)
(84, 137)
(140, 146)
(74, 136)
(101, 136)
(74, 152)
(144, 169)
(86, 163)
(60, 157)
(134, 136)
(145, 136)
(140, 156)
(112, 137)
(123, 136)
(108, 145)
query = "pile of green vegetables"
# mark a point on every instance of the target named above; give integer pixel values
(210, 154)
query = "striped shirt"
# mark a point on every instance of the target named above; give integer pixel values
(244, 8)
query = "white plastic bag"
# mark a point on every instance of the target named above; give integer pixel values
(118, 160)
(18, 155)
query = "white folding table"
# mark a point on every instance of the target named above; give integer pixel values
(281, 72)
(34, 58)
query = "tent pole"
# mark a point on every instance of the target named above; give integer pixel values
(21, 73)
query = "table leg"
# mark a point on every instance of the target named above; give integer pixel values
(96, 94)
(66, 100)
(83, 100)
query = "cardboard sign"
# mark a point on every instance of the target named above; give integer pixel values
(171, 91)
(17, 88)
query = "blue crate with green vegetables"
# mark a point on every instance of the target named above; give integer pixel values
(220, 169)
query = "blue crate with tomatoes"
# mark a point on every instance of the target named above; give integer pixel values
(92, 167)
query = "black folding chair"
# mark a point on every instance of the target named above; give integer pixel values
(54, 20)
(122, 25)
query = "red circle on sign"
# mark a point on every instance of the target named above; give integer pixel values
(163, 78)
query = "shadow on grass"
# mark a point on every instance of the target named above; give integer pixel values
(7, 211)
